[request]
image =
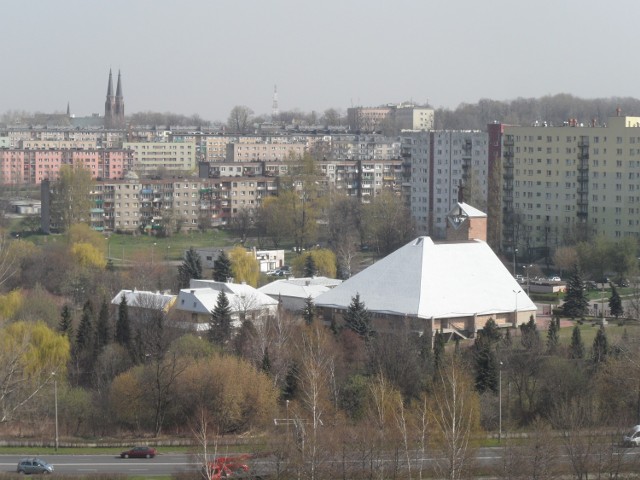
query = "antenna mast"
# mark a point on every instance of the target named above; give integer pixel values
(274, 105)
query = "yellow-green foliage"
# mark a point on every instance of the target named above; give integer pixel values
(83, 233)
(324, 259)
(10, 304)
(235, 394)
(88, 255)
(244, 266)
(32, 350)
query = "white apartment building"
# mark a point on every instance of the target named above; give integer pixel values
(149, 157)
(441, 163)
(571, 182)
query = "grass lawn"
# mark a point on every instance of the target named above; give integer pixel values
(169, 248)
(588, 332)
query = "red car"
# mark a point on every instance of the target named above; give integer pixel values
(139, 452)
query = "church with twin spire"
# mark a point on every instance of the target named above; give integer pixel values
(114, 105)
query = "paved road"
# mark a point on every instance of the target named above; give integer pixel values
(167, 464)
(88, 464)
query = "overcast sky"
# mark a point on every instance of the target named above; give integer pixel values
(205, 56)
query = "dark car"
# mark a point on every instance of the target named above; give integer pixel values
(34, 465)
(139, 452)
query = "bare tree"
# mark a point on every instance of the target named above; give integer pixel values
(454, 414)
(239, 119)
(314, 376)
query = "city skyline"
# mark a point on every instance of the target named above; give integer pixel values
(200, 57)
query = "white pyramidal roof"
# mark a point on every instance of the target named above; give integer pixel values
(440, 280)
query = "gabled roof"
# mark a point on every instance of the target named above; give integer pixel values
(467, 210)
(440, 280)
(203, 297)
(145, 299)
(299, 287)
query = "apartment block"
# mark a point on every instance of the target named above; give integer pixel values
(264, 151)
(32, 166)
(153, 157)
(444, 166)
(403, 116)
(363, 179)
(570, 182)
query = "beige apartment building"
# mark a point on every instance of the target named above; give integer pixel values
(151, 157)
(570, 182)
(266, 151)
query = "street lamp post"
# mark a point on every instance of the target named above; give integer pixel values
(153, 250)
(527, 268)
(55, 399)
(500, 403)
(515, 314)
(515, 251)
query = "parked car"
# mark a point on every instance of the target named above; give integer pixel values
(139, 452)
(555, 278)
(632, 439)
(622, 283)
(34, 465)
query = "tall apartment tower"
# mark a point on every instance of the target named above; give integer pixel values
(114, 105)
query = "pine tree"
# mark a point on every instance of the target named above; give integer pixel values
(615, 302)
(507, 341)
(266, 362)
(491, 331)
(576, 349)
(438, 352)
(220, 324)
(66, 324)
(600, 346)
(85, 335)
(103, 329)
(553, 338)
(310, 268)
(358, 318)
(529, 335)
(123, 329)
(486, 363)
(575, 303)
(191, 268)
(222, 268)
(309, 310)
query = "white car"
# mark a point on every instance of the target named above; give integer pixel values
(555, 279)
(632, 439)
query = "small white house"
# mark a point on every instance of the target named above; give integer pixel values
(200, 299)
(293, 292)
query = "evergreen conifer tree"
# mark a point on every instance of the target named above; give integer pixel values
(66, 326)
(103, 329)
(576, 349)
(220, 324)
(600, 346)
(191, 267)
(575, 302)
(222, 268)
(85, 334)
(615, 302)
(123, 329)
(529, 335)
(310, 268)
(438, 352)
(553, 338)
(358, 318)
(309, 310)
(486, 363)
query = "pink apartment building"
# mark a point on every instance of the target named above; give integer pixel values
(32, 166)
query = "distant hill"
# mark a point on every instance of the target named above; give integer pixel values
(554, 110)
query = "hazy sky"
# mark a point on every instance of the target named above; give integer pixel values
(205, 56)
